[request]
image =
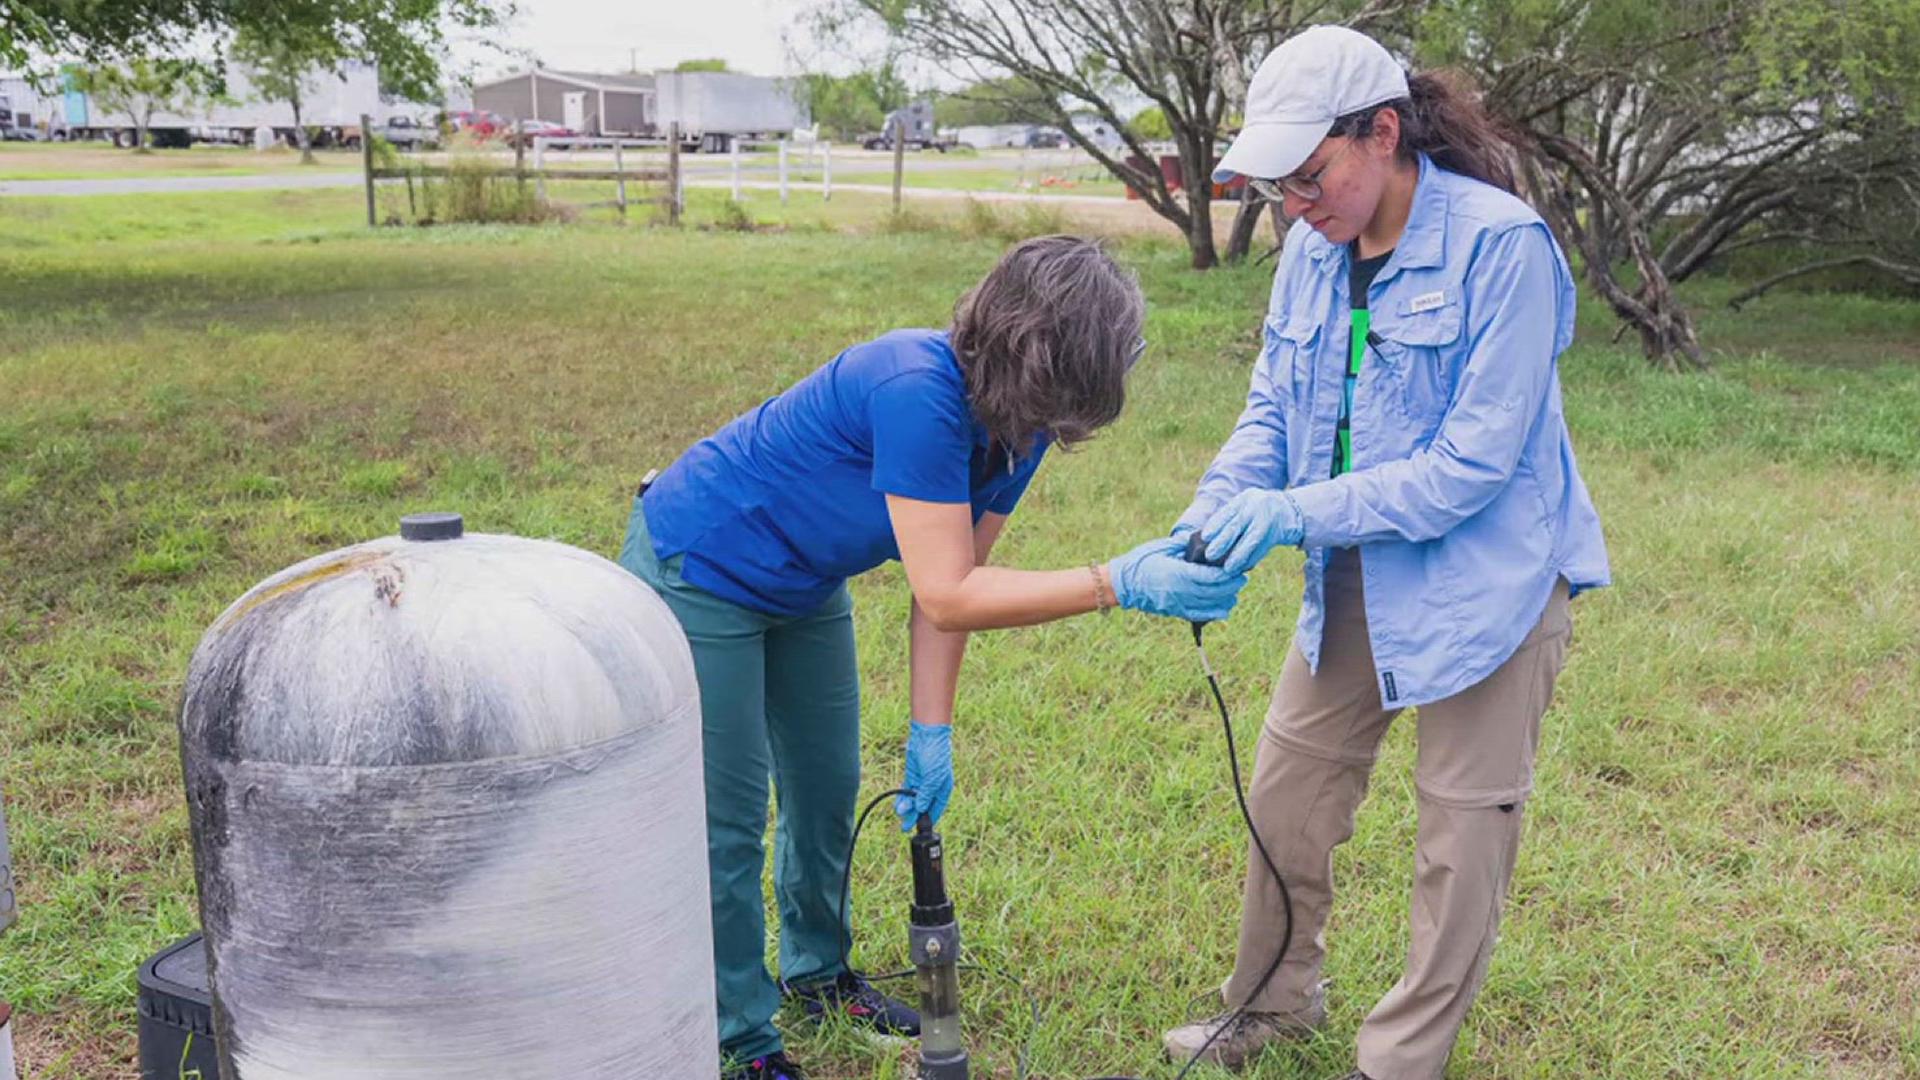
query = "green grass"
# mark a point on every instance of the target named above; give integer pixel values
(97, 161)
(1723, 863)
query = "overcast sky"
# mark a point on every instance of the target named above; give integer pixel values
(619, 35)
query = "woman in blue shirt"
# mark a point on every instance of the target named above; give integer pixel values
(917, 446)
(1404, 426)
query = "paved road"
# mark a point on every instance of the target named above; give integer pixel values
(289, 181)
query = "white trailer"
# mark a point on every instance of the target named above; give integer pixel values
(333, 104)
(715, 107)
(25, 112)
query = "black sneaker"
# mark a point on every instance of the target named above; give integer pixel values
(858, 1000)
(775, 1066)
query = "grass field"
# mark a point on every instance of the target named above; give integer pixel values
(1722, 874)
(85, 161)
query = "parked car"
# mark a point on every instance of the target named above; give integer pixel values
(20, 134)
(536, 129)
(409, 134)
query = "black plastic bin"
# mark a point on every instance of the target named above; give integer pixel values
(176, 1015)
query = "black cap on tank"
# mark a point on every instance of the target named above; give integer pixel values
(434, 525)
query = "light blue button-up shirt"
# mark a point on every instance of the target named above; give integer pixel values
(1464, 497)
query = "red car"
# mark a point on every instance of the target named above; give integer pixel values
(482, 124)
(539, 129)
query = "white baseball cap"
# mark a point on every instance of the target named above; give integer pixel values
(1313, 78)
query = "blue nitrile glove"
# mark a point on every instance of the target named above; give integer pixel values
(1252, 523)
(1156, 578)
(929, 774)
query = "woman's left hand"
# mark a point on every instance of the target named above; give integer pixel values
(1252, 523)
(929, 774)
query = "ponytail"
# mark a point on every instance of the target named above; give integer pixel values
(1442, 117)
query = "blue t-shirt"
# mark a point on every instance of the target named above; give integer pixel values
(778, 508)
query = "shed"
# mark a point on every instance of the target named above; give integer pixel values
(587, 102)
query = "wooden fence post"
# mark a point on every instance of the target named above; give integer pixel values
(733, 159)
(520, 156)
(540, 166)
(620, 170)
(674, 206)
(899, 156)
(783, 172)
(366, 163)
(826, 171)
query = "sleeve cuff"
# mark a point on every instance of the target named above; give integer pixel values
(910, 491)
(1196, 514)
(1319, 505)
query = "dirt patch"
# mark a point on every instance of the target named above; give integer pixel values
(72, 1042)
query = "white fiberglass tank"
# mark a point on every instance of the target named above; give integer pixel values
(448, 820)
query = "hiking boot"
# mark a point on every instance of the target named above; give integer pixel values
(775, 1066)
(1234, 1038)
(857, 999)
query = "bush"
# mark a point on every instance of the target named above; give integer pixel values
(1030, 219)
(734, 216)
(471, 192)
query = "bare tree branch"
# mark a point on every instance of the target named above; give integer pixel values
(1907, 272)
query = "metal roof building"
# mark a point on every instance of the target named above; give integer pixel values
(587, 102)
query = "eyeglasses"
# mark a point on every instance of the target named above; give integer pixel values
(1139, 350)
(1300, 187)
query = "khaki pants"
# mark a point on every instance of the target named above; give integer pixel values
(1474, 772)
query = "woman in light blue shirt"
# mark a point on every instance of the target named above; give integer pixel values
(1403, 427)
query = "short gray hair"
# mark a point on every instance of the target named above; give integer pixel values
(1045, 340)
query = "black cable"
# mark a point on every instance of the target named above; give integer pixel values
(1022, 1062)
(1286, 897)
(846, 884)
(1246, 816)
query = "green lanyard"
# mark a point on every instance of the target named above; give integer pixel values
(1356, 349)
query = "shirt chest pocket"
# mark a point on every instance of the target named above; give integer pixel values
(1414, 353)
(1289, 359)
(1287, 354)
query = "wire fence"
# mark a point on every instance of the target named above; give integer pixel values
(540, 177)
(477, 188)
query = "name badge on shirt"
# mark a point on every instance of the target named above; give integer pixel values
(1426, 302)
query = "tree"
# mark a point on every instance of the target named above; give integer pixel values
(1657, 137)
(849, 106)
(1150, 125)
(142, 87)
(1011, 100)
(282, 70)
(1191, 58)
(701, 65)
(405, 38)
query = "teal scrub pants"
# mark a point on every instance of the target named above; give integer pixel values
(779, 698)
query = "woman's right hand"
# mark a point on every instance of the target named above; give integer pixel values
(1252, 523)
(1156, 578)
